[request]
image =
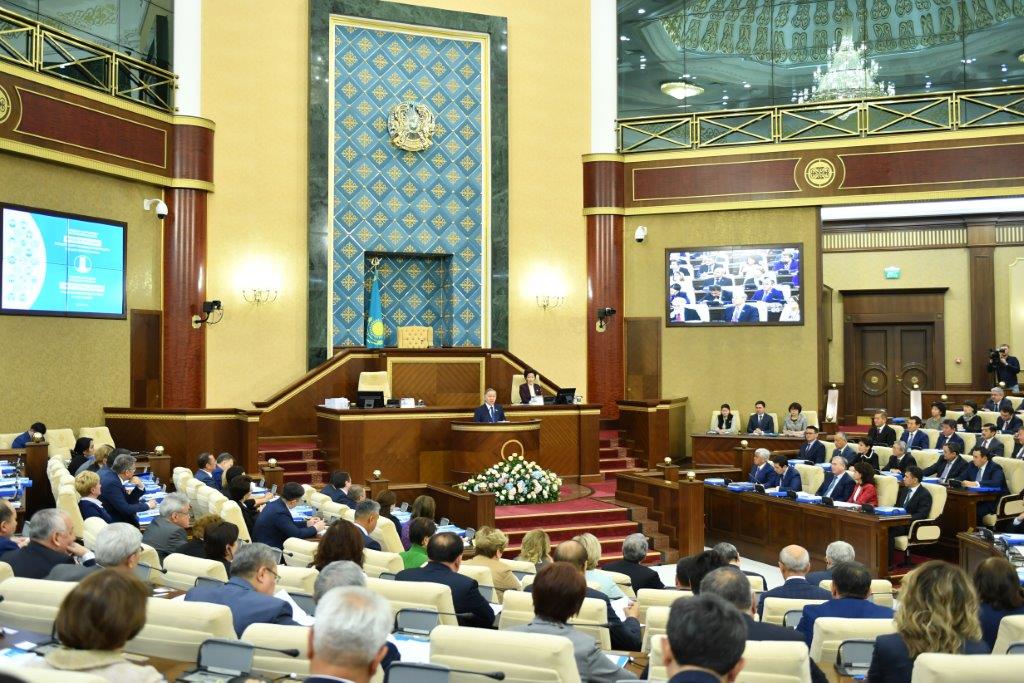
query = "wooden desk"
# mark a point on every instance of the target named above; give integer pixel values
(960, 514)
(760, 526)
(656, 428)
(974, 551)
(478, 445)
(726, 449)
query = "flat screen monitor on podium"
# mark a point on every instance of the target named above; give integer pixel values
(370, 399)
(565, 396)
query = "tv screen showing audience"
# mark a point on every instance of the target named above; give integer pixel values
(749, 285)
(60, 264)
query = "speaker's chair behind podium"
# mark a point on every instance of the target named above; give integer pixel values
(415, 337)
(376, 381)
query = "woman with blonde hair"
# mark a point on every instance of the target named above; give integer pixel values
(97, 460)
(422, 506)
(938, 613)
(603, 579)
(490, 543)
(536, 548)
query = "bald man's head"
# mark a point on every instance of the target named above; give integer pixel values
(572, 552)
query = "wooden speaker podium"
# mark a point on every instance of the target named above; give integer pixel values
(475, 446)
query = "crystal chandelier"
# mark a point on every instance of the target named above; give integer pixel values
(847, 76)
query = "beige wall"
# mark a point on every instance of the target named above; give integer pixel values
(1009, 271)
(715, 365)
(62, 371)
(256, 91)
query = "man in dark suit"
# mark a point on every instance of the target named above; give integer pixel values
(947, 434)
(836, 553)
(207, 464)
(762, 472)
(843, 446)
(760, 422)
(51, 543)
(704, 641)
(1006, 368)
(915, 499)
(367, 514)
(716, 296)
(794, 562)
(988, 441)
(275, 524)
(1008, 423)
(8, 525)
(900, 459)
(249, 593)
(25, 438)
(997, 400)
(982, 472)
(490, 411)
(838, 484)
(444, 552)
(881, 434)
(1018, 445)
(167, 532)
(352, 618)
(789, 478)
(740, 312)
(337, 490)
(811, 450)
(634, 550)
(720, 278)
(733, 586)
(768, 293)
(118, 546)
(950, 465)
(912, 436)
(122, 506)
(851, 593)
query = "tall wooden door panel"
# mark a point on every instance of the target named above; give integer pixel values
(146, 372)
(643, 358)
(889, 361)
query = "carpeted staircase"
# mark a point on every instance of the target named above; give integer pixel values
(299, 456)
(614, 454)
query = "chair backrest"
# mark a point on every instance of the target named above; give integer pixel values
(1014, 470)
(653, 597)
(1006, 440)
(90, 529)
(775, 608)
(67, 502)
(316, 500)
(388, 536)
(786, 660)
(884, 453)
(970, 438)
(30, 675)
(100, 436)
(898, 429)
(655, 624)
(216, 502)
(150, 556)
(433, 597)
(375, 562)
(517, 609)
(925, 459)
(375, 381)
(276, 636)
(298, 552)
(812, 418)
(938, 499)
(480, 573)
(757, 583)
(830, 632)
(521, 656)
(520, 566)
(830, 448)
(935, 668)
(888, 488)
(297, 579)
(811, 477)
(1011, 630)
(621, 580)
(517, 381)
(32, 604)
(230, 512)
(933, 437)
(5, 571)
(61, 441)
(175, 629)
(183, 570)
(204, 494)
(988, 416)
(7, 439)
(415, 337)
(179, 475)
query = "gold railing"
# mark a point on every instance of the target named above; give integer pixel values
(947, 111)
(53, 52)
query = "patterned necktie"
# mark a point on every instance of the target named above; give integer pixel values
(491, 408)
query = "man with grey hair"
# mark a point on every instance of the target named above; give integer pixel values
(490, 411)
(634, 552)
(843, 446)
(348, 639)
(367, 514)
(166, 533)
(838, 484)
(118, 546)
(357, 493)
(249, 593)
(762, 472)
(794, 562)
(51, 543)
(120, 505)
(900, 459)
(997, 401)
(835, 553)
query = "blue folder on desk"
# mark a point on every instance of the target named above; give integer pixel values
(983, 489)
(1012, 539)
(741, 486)
(889, 511)
(714, 481)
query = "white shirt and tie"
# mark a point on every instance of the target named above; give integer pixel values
(981, 473)
(490, 409)
(910, 494)
(835, 482)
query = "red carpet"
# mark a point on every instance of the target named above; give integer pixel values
(298, 457)
(605, 489)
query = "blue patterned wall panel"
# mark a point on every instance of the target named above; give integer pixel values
(389, 200)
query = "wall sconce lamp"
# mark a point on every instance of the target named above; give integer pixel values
(208, 317)
(259, 296)
(547, 301)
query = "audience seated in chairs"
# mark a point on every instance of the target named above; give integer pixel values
(915, 499)
(357, 493)
(490, 543)
(835, 553)
(166, 533)
(881, 434)
(83, 450)
(98, 460)
(760, 422)
(25, 438)
(796, 422)
(366, 516)
(913, 437)
(8, 525)
(536, 548)
(95, 620)
(794, 562)
(240, 490)
(197, 547)
(705, 640)
(51, 543)
(691, 570)
(220, 542)
(864, 492)
(348, 641)
(950, 465)
(422, 506)
(420, 531)
(838, 484)
(812, 450)
(982, 472)
(843, 446)
(87, 484)
(558, 593)
(970, 421)
(729, 555)
(120, 505)
(725, 422)
(947, 433)
(338, 489)
(118, 546)
(387, 500)
(938, 414)
(938, 613)
(444, 552)
(1007, 422)
(342, 541)
(225, 461)
(989, 442)
(634, 552)
(999, 594)
(900, 459)
(249, 593)
(762, 472)
(606, 582)
(789, 478)
(997, 400)
(851, 599)
(275, 525)
(865, 452)
(204, 472)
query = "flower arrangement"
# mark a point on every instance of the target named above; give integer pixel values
(516, 481)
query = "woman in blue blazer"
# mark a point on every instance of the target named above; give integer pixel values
(938, 613)
(999, 593)
(88, 486)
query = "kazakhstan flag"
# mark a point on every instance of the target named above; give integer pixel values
(375, 320)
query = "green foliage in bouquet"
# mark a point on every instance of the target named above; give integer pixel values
(516, 481)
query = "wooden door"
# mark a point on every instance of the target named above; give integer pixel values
(146, 371)
(889, 360)
(643, 358)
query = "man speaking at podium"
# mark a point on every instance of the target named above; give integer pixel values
(489, 411)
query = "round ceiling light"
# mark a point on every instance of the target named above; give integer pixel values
(681, 89)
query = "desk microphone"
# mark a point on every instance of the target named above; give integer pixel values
(493, 675)
(151, 567)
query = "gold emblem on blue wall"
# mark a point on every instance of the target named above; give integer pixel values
(411, 126)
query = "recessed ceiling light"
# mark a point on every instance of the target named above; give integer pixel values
(641, 11)
(681, 89)
(624, 39)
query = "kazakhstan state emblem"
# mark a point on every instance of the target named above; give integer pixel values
(411, 125)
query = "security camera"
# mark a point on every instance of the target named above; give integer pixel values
(641, 233)
(157, 205)
(603, 313)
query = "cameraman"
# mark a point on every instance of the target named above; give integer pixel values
(1005, 366)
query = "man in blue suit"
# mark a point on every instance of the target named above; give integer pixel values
(988, 441)
(444, 552)
(983, 472)
(947, 433)
(249, 594)
(812, 451)
(794, 562)
(950, 465)
(490, 411)
(789, 478)
(915, 499)
(997, 400)
(838, 484)
(337, 490)
(25, 438)
(760, 422)
(366, 516)
(275, 524)
(851, 593)
(768, 293)
(1007, 422)
(207, 464)
(915, 439)
(762, 471)
(740, 312)
(843, 446)
(122, 506)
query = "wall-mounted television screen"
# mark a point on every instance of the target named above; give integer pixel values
(61, 265)
(746, 285)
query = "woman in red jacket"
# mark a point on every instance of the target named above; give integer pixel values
(864, 492)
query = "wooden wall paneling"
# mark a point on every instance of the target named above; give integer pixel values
(605, 371)
(589, 445)
(636, 419)
(145, 365)
(675, 413)
(981, 241)
(643, 358)
(441, 382)
(39, 495)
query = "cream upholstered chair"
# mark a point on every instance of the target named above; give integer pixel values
(888, 488)
(521, 656)
(481, 574)
(432, 597)
(376, 562)
(925, 531)
(388, 536)
(5, 571)
(100, 435)
(1015, 401)
(830, 448)
(1007, 441)
(884, 453)
(812, 418)
(775, 608)
(179, 475)
(656, 670)
(61, 441)
(655, 624)
(297, 579)
(32, 604)
(183, 570)
(898, 429)
(192, 487)
(520, 566)
(831, 632)
(988, 416)
(376, 381)
(330, 512)
(175, 629)
(654, 597)
(216, 502)
(415, 337)
(925, 459)
(517, 381)
(67, 502)
(970, 438)
(29, 675)
(935, 668)
(517, 609)
(1010, 505)
(811, 477)
(7, 439)
(765, 662)
(1011, 630)
(298, 552)
(150, 556)
(881, 591)
(954, 414)
(622, 581)
(277, 636)
(230, 512)
(90, 529)
(316, 499)
(307, 491)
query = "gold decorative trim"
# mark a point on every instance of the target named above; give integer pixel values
(522, 448)
(157, 417)
(521, 409)
(603, 156)
(360, 415)
(604, 211)
(446, 361)
(636, 409)
(318, 376)
(932, 238)
(673, 404)
(531, 426)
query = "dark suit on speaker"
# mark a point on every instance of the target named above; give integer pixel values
(487, 413)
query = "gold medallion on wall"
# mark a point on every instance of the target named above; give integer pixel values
(821, 173)
(6, 107)
(411, 126)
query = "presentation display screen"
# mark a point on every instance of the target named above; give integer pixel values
(748, 285)
(61, 265)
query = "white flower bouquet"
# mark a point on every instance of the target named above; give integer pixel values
(516, 481)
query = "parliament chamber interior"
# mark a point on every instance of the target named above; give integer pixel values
(456, 340)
